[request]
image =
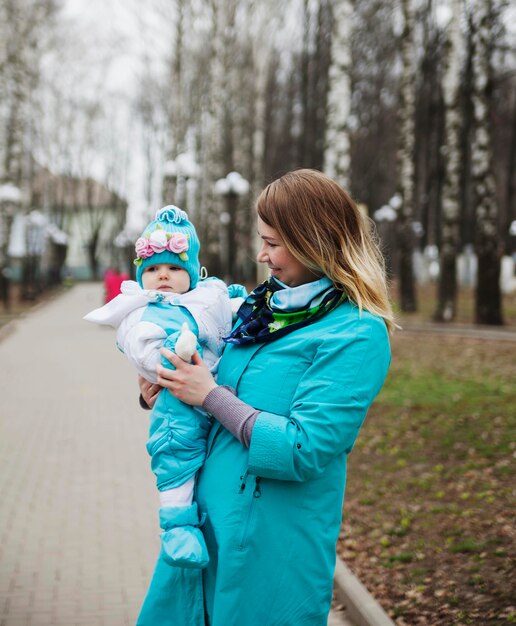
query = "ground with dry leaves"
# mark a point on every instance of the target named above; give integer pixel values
(429, 514)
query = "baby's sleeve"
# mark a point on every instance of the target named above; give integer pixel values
(213, 318)
(141, 342)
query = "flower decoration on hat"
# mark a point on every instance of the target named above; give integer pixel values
(158, 241)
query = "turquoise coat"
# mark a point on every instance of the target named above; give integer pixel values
(274, 510)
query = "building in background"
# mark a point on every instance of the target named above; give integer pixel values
(68, 230)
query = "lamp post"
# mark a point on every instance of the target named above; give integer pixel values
(35, 236)
(10, 203)
(233, 186)
(57, 253)
(176, 174)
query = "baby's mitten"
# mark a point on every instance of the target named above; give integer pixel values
(186, 343)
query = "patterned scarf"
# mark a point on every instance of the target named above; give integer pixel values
(272, 310)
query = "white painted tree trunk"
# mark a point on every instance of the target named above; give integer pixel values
(488, 307)
(337, 148)
(450, 218)
(406, 163)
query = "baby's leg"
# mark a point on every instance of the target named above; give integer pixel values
(179, 496)
(178, 448)
(182, 542)
(178, 433)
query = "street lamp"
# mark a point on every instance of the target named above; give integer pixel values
(176, 174)
(57, 253)
(35, 235)
(385, 214)
(231, 187)
(10, 202)
(443, 14)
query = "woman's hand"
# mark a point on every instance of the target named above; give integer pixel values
(149, 391)
(189, 382)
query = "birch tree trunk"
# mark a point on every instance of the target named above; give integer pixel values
(16, 79)
(406, 160)
(450, 234)
(261, 60)
(175, 94)
(468, 220)
(337, 148)
(24, 26)
(14, 95)
(488, 301)
(215, 135)
(511, 178)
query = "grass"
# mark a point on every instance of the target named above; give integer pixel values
(429, 504)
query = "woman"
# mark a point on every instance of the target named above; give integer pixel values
(306, 360)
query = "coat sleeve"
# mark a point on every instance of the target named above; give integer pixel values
(328, 407)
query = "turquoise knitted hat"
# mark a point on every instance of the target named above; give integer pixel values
(169, 238)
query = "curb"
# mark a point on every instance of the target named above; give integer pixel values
(361, 606)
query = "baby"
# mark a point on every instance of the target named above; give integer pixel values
(170, 306)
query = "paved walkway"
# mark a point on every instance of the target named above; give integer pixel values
(78, 507)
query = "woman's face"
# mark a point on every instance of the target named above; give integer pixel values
(281, 263)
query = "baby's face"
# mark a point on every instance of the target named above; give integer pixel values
(166, 277)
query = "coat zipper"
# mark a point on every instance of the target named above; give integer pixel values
(256, 494)
(243, 479)
(257, 491)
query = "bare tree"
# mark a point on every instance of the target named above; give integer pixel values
(25, 27)
(406, 161)
(253, 91)
(216, 137)
(450, 231)
(511, 173)
(374, 124)
(429, 133)
(337, 151)
(488, 305)
(264, 19)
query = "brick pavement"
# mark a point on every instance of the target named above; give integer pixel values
(78, 506)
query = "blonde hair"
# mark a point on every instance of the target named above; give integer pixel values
(324, 230)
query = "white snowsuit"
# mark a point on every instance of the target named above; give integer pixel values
(145, 321)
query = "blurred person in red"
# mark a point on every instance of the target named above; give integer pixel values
(113, 279)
